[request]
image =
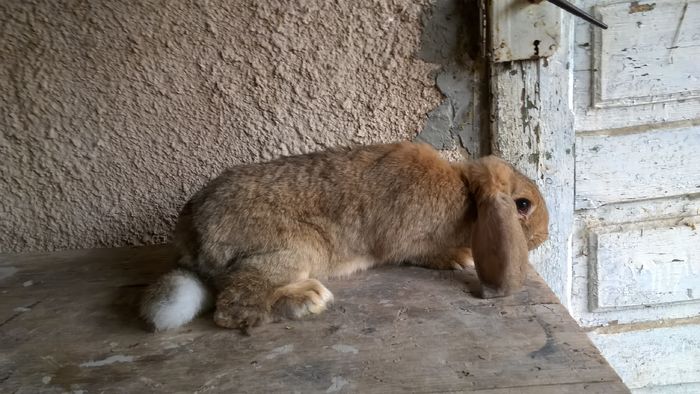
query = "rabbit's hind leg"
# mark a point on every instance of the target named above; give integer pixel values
(270, 285)
(242, 302)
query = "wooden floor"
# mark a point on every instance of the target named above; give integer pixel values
(68, 323)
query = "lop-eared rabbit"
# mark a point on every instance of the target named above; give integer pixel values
(256, 241)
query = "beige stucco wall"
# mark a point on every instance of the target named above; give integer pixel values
(112, 113)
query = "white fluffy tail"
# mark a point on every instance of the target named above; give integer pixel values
(175, 299)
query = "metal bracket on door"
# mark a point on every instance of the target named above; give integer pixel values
(527, 29)
(573, 10)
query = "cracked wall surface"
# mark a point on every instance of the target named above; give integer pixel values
(451, 38)
(113, 113)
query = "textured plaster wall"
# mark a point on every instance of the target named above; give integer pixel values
(113, 113)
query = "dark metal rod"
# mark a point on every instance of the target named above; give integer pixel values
(572, 9)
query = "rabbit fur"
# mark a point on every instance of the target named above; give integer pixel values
(256, 241)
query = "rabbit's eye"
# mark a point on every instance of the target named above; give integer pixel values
(523, 205)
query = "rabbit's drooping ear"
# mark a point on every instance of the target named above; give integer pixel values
(499, 245)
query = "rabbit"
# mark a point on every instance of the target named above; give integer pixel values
(256, 241)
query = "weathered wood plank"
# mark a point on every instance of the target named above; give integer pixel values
(535, 132)
(658, 213)
(642, 165)
(658, 357)
(645, 58)
(399, 328)
(648, 263)
(588, 388)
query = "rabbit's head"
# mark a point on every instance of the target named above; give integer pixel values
(511, 219)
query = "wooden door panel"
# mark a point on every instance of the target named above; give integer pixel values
(648, 55)
(637, 262)
(642, 70)
(643, 264)
(639, 165)
(637, 121)
(623, 183)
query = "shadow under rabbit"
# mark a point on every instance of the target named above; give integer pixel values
(358, 297)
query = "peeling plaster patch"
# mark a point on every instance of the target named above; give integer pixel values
(119, 358)
(345, 349)
(451, 124)
(636, 7)
(279, 351)
(7, 271)
(436, 131)
(337, 384)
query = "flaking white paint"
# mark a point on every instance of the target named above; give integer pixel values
(647, 164)
(278, 351)
(626, 217)
(117, 358)
(642, 58)
(337, 384)
(345, 348)
(533, 128)
(650, 38)
(653, 358)
(636, 169)
(650, 263)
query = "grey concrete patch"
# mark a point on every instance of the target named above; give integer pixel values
(448, 41)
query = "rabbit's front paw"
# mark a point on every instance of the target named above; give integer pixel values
(461, 259)
(457, 259)
(299, 299)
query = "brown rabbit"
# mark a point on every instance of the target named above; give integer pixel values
(260, 236)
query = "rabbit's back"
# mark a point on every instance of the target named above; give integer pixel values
(380, 202)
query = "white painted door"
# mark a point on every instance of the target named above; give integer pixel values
(610, 126)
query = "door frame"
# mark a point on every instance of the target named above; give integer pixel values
(532, 126)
